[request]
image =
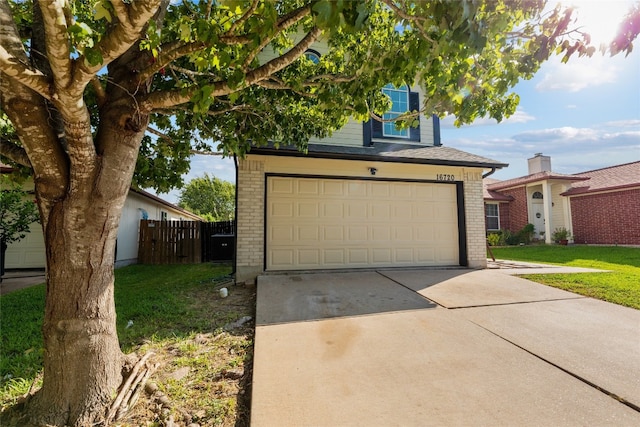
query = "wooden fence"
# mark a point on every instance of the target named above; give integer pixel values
(185, 242)
(169, 242)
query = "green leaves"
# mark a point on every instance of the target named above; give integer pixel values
(18, 211)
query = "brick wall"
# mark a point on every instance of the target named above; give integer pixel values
(474, 212)
(505, 217)
(250, 229)
(517, 209)
(607, 218)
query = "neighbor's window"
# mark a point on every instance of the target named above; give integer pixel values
(492, 215)
(400, 99)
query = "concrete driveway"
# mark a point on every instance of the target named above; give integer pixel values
(442, 348)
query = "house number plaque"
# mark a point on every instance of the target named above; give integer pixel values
(445, 177)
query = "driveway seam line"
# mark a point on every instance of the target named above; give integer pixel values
(576, 376)
(412, 290)
(515, 303)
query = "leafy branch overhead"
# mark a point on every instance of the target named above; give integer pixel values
(197, 61)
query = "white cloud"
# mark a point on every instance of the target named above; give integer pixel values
(520, 116)
(563, 134)
(572, 149)
(571, 106)
(578, 73)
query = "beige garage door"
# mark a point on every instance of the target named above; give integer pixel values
(317, 223)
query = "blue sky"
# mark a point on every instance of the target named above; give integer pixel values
(584, 114)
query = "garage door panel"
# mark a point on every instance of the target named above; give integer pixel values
(281, 186)
(358, 223)
(381, 256)
(333, 210)
(332, 188)
(309, 257)
(334, 233)
(281, 257)
(308, 232)
(358, 256)
(358, 233)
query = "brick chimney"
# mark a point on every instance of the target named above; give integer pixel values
(539, 163)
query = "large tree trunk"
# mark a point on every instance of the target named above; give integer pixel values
(83, 363)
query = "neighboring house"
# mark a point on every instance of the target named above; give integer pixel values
(370, 196)
(598, 207)
(30, 251)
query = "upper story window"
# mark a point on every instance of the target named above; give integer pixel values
(400, 105)
(312, 56)
(403, 101)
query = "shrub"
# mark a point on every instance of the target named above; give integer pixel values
(494, 239)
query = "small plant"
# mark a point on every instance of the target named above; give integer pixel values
(494, 239)
(560, 235)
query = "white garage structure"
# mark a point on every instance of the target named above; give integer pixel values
(336, 207)
(328, 223)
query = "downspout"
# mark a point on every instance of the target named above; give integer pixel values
(491, 172)
(235, 246)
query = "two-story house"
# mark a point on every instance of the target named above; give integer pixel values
(370, 196)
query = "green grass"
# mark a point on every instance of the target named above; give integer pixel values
(620, 286)
(164, 303)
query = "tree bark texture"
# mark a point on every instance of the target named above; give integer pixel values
(83, 363)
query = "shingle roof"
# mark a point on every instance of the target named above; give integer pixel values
(540, 176)
(388, 152)
(493, 195)
(611, 178)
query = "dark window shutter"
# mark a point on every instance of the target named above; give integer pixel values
(366, 133)
(414, 105)
(436, 130)
(376, 128)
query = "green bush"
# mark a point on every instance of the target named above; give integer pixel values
(494, 239)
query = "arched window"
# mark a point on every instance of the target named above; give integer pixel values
(537, 195)
(312, 56)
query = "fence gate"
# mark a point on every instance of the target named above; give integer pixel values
(169, 242)
(218, 240)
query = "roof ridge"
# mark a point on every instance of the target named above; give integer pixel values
(607, 167)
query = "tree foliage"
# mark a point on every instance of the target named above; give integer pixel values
(209, 197)
(18, 211)
(93, 90)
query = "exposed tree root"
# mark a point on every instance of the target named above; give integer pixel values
(130, 390)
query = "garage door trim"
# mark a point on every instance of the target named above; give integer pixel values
(462, 229)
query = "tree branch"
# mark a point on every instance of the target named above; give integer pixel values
(284, 23)
(22, 73)
(416, 20)
(57, 41)
(244, 17)
(101, 95)
(158, 100)
(171, 142)
(121, 11)
(164, 59)
(116, 42)
(12, 151)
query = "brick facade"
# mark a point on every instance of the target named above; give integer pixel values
(505, 216)
(250, 234)
(517, 211)
(607, 218)
(474, 213)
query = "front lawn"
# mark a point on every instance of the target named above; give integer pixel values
(620, 286)
(173, 310)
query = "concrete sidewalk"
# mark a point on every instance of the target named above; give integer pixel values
(442, 348)
(20, 279)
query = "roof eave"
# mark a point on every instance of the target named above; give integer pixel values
(377, 158)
